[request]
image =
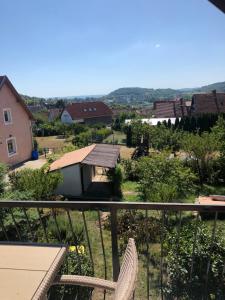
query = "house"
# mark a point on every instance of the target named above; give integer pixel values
(15, 125)
(87, 112)
(171, 109)
(78, 167)
(204, 103)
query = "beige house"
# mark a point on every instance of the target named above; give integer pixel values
(15, 125)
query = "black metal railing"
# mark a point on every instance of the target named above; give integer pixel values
(62, 222)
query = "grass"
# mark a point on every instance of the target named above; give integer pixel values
(129, 190)
(95, 241)
(117, 137)
(52, 142)
(125, 152)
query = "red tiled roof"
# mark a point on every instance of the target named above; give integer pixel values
(71, 158)
(208, 103)
(87, 110)
(171, 108)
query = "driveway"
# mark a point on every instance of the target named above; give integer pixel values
(31, 164)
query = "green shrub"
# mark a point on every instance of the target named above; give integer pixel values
(116, 178)
(3, 171)
(164, 179)
(40, 183)
(208, 253)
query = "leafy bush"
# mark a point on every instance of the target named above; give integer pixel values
(130, 169)
(3, 171)
(164, 179)
(40, 183)
(116, 178)
(75, 264)
(133, 224)
(208, 253)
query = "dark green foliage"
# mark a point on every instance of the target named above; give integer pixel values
(138, 226)
(128, 132)
(116, 178)
(159, 137)
(65, 230)
(208, 252)
(130, 168)
(40, 183)
(164, 179)
(3, 171)
(75, 264)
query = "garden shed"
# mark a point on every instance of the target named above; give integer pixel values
(79, 167)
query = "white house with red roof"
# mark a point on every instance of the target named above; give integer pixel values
(87, 113)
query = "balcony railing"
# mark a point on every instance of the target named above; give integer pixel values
(103, 242)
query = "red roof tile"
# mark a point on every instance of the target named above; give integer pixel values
(87, 110)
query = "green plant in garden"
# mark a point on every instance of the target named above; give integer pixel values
(206, 280)
(164, 179)
(200, 149)
(116, 177)
(66, 234)
(40, 183)
(143, 228)
(3, 171)
(130, 169)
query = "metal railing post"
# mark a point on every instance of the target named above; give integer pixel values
(115, 252)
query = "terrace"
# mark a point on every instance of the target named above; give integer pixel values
(41, 221)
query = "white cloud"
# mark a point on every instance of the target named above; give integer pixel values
(157, 45)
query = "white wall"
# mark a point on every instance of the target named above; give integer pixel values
(87, 176)
(71, 185)
(66, 117)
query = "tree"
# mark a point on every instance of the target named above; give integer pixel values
(129, 136)
(200, 149)
(164, 179)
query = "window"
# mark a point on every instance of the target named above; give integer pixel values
(90, 109)
(7, 116)
(11, 146)
(94, 108)
(85, 109)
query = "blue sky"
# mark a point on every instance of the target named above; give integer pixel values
(81, 47)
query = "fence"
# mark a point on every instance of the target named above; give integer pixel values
(26, 221)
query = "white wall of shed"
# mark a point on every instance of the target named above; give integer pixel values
(71, 185)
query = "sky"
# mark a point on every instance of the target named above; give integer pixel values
(85, 47)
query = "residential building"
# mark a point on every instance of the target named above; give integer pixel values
(171, 109)
(15, 125)
(87, 112)
(204, 103)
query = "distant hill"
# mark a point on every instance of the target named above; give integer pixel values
(218, 86)
(134, 95)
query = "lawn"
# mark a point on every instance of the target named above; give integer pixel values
(129, 190)
(125, 152)
(52, 142)
(117, 137)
